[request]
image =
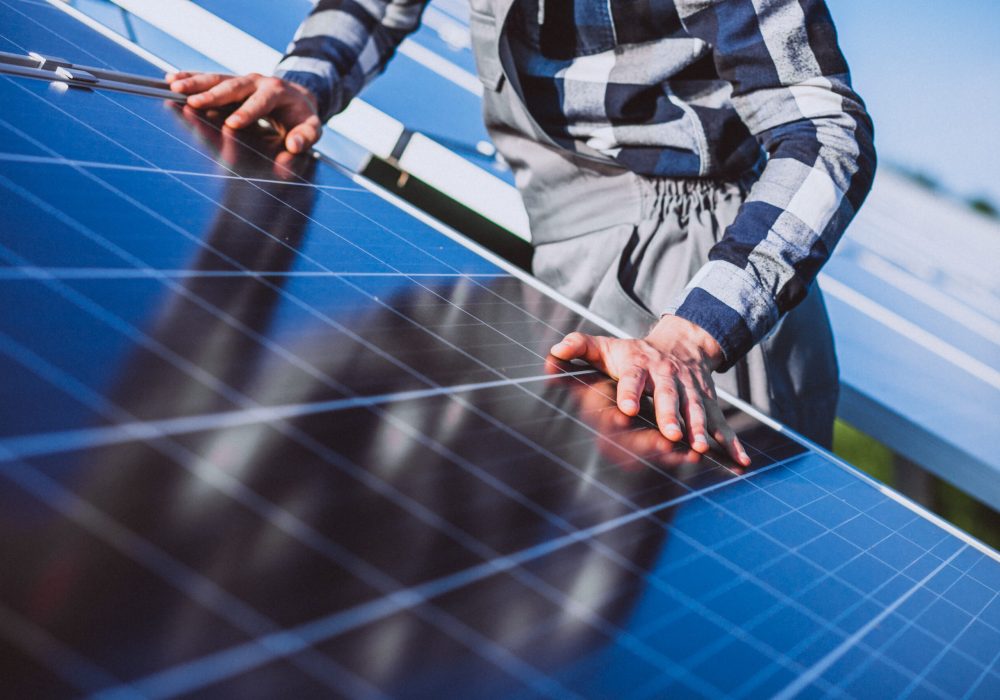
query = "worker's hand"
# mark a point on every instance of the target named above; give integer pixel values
(674, 362)
(289, 105)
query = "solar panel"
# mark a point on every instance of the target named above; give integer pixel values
(266, 432)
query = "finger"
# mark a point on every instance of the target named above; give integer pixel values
(193, 83)
(580, 345)
(694, 416)
(224, 93)
(666, 405)
(304, 136)
(258, 105)
(725, 435)
(630, 387)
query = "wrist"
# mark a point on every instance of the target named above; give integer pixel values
(307, 93)
(314, 88)
(674, 331)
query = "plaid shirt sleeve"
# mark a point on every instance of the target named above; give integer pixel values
(791, 86)
(343, 44)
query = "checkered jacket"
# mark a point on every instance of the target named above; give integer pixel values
(676, 88)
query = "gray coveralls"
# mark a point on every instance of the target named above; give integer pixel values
(624, 245)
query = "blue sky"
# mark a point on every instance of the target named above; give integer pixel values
(930, 74)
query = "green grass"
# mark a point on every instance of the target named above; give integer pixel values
(863, 451)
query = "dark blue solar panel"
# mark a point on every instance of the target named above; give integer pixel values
(28, 26)
(266, 434)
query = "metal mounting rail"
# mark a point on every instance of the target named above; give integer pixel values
(55, 69)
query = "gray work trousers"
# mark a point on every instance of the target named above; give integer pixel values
(629, 273)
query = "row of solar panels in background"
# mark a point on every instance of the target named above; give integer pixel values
(917, 315)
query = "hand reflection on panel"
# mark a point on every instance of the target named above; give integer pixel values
(459, 479)
(234, 238)
(635, 445)
(256, 153)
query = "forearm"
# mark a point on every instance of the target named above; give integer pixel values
(784, 233)
(343, 44)
(792, 89)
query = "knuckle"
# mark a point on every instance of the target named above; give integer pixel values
(695, 411)
(635, 356)
(666, 394)
(663, 384)
(668, 367)
(271, 83)
(635, 373)
(662, 371)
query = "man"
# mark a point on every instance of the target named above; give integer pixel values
(687, 166)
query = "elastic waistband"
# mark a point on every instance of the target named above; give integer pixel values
(585, 205)
(673, 187)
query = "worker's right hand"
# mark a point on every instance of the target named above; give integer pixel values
(290, 105)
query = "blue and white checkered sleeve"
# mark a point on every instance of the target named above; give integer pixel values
(343, 44)
(791, 86)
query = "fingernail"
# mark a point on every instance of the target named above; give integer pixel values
(672, 429)
(699, 441)
(628, 405)
(234, 120)
(296, 143)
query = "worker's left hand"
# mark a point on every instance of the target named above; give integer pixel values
(674, 363)
(289, 105)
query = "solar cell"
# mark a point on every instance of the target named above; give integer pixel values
(264, 432)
